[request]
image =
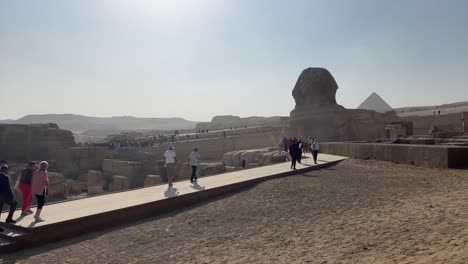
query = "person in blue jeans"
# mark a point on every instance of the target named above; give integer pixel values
(194, 159)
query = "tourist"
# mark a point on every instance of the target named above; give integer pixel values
(299, 153)
(285, 143)
(315, 149)
(294, 151)
(6, 195)
(309, 142)
(170, 159)
(194, 160)
(39, 186)
(24, 185)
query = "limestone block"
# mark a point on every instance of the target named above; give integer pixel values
(55, 178)
(152, 180)
(182, 172)
(120, 183)
(59, 190)
(89, 164)
(272, 157)
(74, 187)
(69, 168)
(95, 182)
(107, 165)
(206, 169)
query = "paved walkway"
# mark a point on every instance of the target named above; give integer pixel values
(68, 210)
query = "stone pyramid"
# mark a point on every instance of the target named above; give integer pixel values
(376, 103)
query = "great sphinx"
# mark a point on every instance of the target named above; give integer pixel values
(317, 113)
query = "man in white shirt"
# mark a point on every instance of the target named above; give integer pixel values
(194, 159)
(170, 159)
(315, 149)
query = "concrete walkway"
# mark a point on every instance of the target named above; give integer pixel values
(68, 210)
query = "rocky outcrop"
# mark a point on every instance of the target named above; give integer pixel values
(33, 142)
(317, 113)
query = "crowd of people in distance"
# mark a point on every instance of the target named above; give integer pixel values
(296, 147)
(34, 180)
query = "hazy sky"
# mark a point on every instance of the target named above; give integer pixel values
(200, 58)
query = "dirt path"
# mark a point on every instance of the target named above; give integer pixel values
(356, 212)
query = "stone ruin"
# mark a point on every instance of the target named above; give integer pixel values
(24, 142)
(317, 113)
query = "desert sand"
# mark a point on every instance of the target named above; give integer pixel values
(356, 212)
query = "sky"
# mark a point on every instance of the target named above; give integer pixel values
(199, 58)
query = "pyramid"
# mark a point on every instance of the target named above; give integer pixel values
(376, 103)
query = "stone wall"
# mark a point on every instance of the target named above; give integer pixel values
(214, 149)
(433, 156)
(446, 123)
(74, 161)
(22, 143)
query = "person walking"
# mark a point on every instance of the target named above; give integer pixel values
(170, 159)
(301, 147)
(6, 195)
(285, 143)
(315, 149)
(24, 185)
(293, 151)
(40, 188)
(194, 159)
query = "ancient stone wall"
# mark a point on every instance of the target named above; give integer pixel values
(213, 149)
(446, 123)
(33, 142)
(433, 156)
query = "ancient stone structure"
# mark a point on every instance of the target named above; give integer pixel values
(376, 103)
(120, 183)
(255, 156)
(317, 113)
(95, 183)
(152, 180)
(27, 142)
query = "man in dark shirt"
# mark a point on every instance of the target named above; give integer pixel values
(6, 196)
(294, 152)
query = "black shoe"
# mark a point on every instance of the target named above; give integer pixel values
(10, 221)
(1, 229)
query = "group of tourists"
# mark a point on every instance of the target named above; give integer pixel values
(170, 160)
(296, 147)
(34, 180)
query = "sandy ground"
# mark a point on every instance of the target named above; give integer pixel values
(356, 212)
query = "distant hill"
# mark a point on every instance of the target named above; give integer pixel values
(79, 123)
(376, 103)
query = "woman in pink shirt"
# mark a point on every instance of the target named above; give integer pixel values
(40, 183)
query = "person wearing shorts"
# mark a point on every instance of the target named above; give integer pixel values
(170, 159)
